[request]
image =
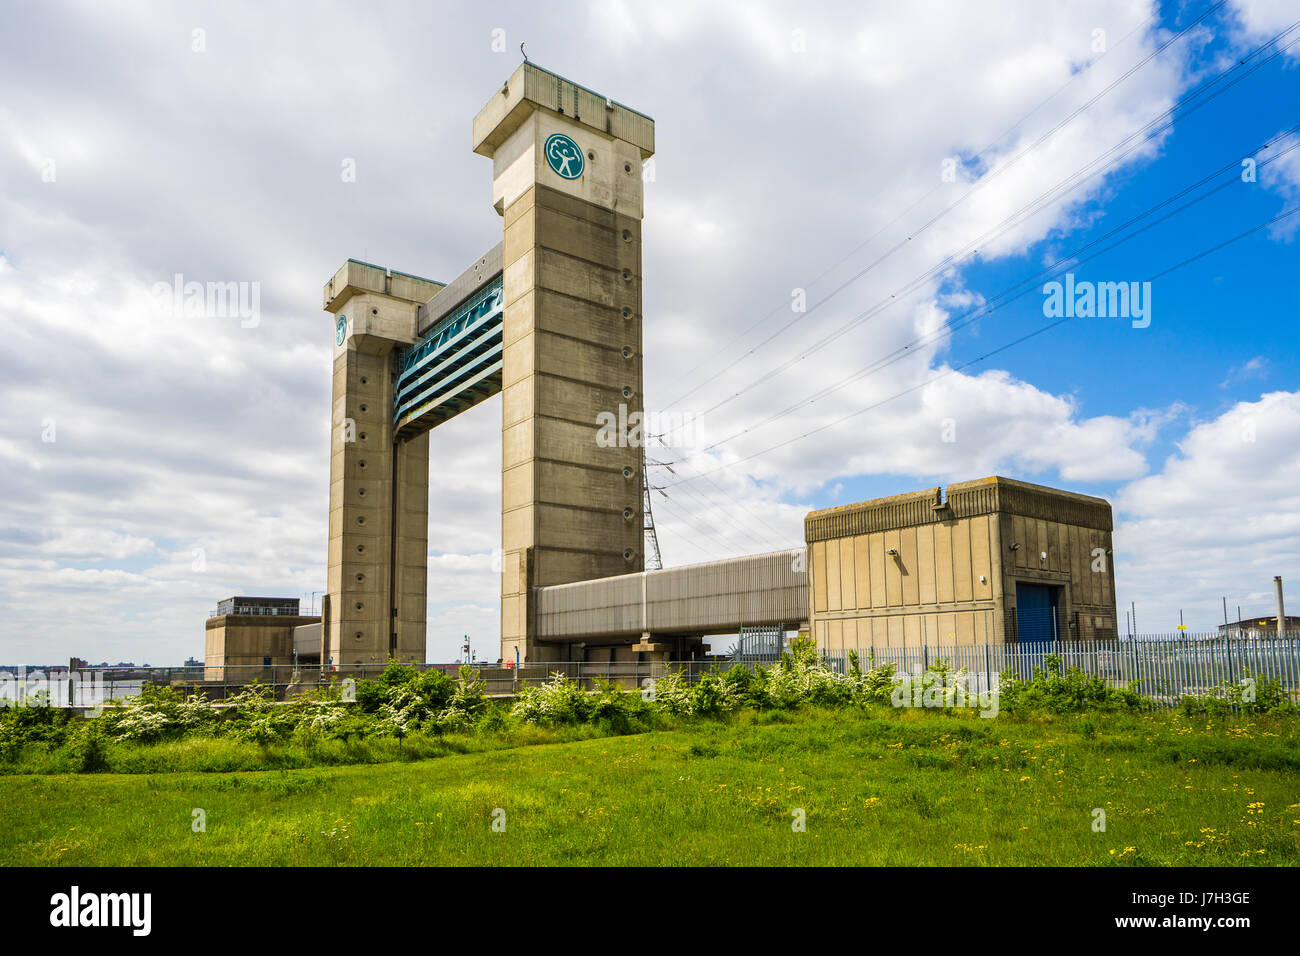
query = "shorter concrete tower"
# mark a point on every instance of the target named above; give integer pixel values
(379, 486)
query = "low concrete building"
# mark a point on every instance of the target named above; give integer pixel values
(245, 646)
(995, 560)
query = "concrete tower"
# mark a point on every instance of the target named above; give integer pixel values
(379, 487)
(567, 179)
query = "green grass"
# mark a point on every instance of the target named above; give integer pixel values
(882, 788)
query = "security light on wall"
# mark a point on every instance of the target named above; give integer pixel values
(1015, 546)
(893, 551)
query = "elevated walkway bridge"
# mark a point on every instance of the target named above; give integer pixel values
(717, 597)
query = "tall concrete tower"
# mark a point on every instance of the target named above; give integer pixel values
(567, 179)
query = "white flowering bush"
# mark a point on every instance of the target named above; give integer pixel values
(672, 694)
(802, 677)
(556, 701)
(319, 718)
(196, 712)
(402, 713)
(140, 722)
(157, 712)
(258, 718)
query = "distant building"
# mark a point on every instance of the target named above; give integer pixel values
(1259, 627)
(257, 605)
(248, 636)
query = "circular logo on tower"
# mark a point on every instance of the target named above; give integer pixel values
(342, 330)
(564, 156)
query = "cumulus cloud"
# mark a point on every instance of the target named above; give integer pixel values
(1219, 519)
(1260, 20)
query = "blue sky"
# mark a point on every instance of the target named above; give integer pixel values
(787, 140)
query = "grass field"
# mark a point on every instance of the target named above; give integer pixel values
(889, 788)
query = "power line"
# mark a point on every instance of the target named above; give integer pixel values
(780, 536)
(712, 507)
(992, 143)
(729, 547)
(1067, 262)
(952, 370)
(715, 527)
(975, 187)
(1009, 222)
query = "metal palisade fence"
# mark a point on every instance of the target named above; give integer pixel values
(1163, 667)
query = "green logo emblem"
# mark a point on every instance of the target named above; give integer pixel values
(342, 329)
(564, 156)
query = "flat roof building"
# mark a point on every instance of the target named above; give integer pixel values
(1262, 626)
(246, 637)
(994, 561)
(257, 605)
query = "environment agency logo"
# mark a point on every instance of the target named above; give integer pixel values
(563, 156)
(341, 327)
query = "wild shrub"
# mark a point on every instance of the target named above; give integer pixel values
(556, 701)
(873, 685)
(467, 700)
(746, 687)
(1059, 690)
(671, 694)
(711, 697)
(24, 724)
(89, 747)
(619, 711)
(156, 713)
(255, 716)
(1249, 695)
(802, 677)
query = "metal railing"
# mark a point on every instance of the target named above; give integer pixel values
(1163, 667)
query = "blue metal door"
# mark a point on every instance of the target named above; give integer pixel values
(1035, 613)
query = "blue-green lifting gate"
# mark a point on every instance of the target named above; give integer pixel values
(457, 362)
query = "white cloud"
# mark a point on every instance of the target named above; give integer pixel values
(1260, 20)
(1219, 519)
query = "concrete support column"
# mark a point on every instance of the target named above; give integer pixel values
(379, 490)
(567, 181)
